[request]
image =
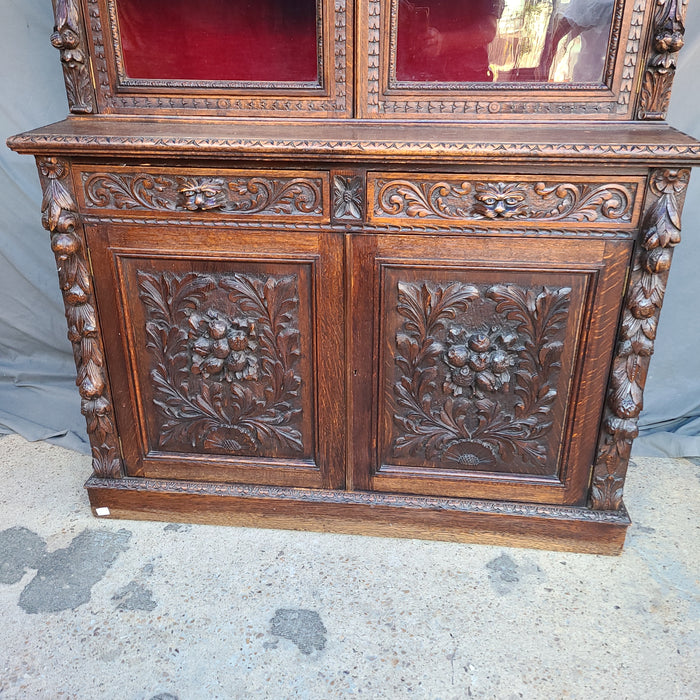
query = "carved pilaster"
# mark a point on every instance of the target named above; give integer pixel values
(660, 232)
(69, 38)
(666, 42)
(60, 217)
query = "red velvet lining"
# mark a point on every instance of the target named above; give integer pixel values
(247, 40)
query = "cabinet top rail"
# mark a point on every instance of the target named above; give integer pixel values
(367, 141)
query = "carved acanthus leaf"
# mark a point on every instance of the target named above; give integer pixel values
(635, 345)
(59, 216)
(480, 200)
(225, 352)
(69, 38)
(666, 41)
(291, 196)
(474, 393)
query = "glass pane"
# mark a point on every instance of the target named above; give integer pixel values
(484, 41)
(248, 40)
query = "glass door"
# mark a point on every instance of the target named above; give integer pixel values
(227, 57)
(453, 59)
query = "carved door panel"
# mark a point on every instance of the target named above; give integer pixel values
(487, 358)
(223, 360)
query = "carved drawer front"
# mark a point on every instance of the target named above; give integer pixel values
(242, 195)
(488, 358)
(453, 200)
(219, 370)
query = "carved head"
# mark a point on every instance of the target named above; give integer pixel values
(500, 200)
(202, 195)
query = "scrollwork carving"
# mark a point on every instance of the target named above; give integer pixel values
(60, 218)
(509, 201)
(292, 196)
(68, 37)
(667, 40)
(475, 389)
(225, 353)
(660, 233)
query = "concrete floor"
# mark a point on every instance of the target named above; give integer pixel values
(136, 610)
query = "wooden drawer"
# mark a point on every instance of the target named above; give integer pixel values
(251, 195)
(462, 199)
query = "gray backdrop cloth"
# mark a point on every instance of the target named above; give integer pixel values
(38, 398)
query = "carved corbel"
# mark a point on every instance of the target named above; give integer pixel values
(661, 228)
(69, 38)
(60, 218)
(666, 41)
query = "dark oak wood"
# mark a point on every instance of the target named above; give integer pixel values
(358, 513)
(369, 304)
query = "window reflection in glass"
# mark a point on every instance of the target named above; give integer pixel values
(560, 41)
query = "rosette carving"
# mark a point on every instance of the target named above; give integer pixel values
(661, 230)
(69, 38)
(59, 216)
(348, 193)
(667, 41)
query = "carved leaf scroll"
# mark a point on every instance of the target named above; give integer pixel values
(635, 344)
(69, 38)
(450, 199)
(59, 216)
(474, 388)
(667, 40)
(238, 195)
(225, 352)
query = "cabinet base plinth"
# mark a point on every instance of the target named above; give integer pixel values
(566, 528)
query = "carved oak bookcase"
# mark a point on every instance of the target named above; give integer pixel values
(379, 266)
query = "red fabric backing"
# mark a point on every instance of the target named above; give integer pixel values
(249, 40)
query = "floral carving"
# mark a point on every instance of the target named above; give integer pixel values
(660, 233)
(240, 195)
(59, 216)
(347, 197)
(68, 38)
(225, 352)
(482, 200)
(667, 41)
(223, 346)
(479, 362)
(499, 411)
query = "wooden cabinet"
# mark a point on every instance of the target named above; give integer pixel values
(379, 288)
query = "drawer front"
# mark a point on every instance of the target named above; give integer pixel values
(462, 199)
(240, 195)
